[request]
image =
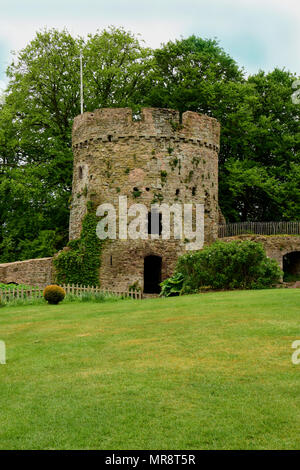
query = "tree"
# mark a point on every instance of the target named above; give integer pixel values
(188, 74)
(248, 192)
(36, 119)
(32, 215)
(116, 70)
(259, 154)
(261, 182)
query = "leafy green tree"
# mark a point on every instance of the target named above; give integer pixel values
(248, 192)
(43, 95)
(261, 181)
(36, 119)
(32, 215)
(35, 145)
(189, 74)
(259, 154)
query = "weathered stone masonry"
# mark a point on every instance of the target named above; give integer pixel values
(156, 159)
(31, 272)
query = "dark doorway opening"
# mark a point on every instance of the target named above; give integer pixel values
(291, 266)
(152, 274)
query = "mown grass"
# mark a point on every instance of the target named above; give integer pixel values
(84, 297)
(209, 371)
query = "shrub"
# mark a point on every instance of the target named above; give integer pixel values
(54, 294)
(233, 265)
(12, 286)
(172, 286)
(81, 263)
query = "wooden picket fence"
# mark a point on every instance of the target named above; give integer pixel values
(36, 292)
(259, 228)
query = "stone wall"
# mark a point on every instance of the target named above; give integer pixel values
(123, 261)
(156, 159)
(153, 158)
(130, 255)
(113, 155)
(276, 246)
(32, 272)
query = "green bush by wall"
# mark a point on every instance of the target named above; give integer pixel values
(80, 264)
(233, 265)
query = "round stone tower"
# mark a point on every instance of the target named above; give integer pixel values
(151, 158)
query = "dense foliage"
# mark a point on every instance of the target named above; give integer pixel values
(172, 286)
(79, 263)
(12, 286)
(260, 139)
(42, 99)
(233, 265)
(260, 133)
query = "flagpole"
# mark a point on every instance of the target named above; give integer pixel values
(81, 84)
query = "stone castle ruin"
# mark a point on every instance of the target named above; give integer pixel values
(155, 157)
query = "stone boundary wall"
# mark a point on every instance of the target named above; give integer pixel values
(276, 246)
(32, 272)
(41, 271)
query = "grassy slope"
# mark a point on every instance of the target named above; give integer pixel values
(210, 371)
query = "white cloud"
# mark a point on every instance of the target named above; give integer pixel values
(2, 86)
(277, 27)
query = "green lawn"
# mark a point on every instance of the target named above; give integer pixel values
(209, 371)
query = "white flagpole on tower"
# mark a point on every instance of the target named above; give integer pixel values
(81, 84)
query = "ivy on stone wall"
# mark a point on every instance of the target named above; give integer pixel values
(80, 262)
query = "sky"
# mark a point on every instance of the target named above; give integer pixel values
(258, 34)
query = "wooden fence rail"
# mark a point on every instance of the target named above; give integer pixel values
(36, 292)
(259, 228)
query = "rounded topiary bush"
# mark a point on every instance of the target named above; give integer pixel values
(54, 294)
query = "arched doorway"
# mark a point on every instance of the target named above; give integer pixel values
(152, 274)
(291, 266)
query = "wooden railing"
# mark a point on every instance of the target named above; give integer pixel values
(259, 228)
(36, 292)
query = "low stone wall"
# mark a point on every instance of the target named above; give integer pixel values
(276, 246)
(41, 271)
(38, 271)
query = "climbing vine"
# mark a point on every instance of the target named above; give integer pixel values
(80, 263)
